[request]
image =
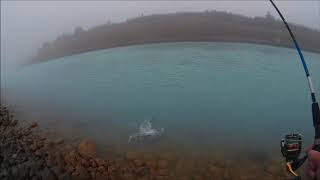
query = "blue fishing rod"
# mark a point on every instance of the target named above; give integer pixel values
(292, 143)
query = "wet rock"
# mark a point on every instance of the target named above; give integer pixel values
(197, 177)
(48, 174)
(71, 158)
(132, 155)
(69, 169)
(129, 176)
(101, 176)
(100, 162)
(169, 156)
(163, 164)
(34, 147)
(64, 176)
(48, 143)
(82, 173)
(163, 172)
(101, 169)
(33, 125)
(59, 141)
(59, 160)
(87, 148)
(14, 172)
(39, 153)
(92, 163)
(148, 156)
(14, 122)
(50, 161)
(57, 170)
(227, 174)
(3, 172)
(138, 162)
(152, 164)
(81, 162)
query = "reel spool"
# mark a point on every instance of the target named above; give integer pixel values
(291, 146)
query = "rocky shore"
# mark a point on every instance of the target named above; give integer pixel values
(26, 153)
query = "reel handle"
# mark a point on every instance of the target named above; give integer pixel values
(296, 164)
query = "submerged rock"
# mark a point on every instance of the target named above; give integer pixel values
(163, 164)
(87, 148)
(33, 125)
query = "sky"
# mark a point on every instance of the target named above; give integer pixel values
(26, 25)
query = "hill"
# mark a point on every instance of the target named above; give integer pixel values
(179, 27)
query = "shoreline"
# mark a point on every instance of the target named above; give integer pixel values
(28, 153)
(253, 42)
(213, 26)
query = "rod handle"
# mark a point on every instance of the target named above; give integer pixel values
(316, 124)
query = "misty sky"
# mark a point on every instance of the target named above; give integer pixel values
(25, 25)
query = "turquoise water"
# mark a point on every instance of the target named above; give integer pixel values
(204, 95)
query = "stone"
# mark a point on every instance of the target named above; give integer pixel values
(101, 176)
(64, 176)
(33, 125)
(39, 153)
(87, 148)
(57, 170)
(48, 174)
(71, 158)
(162, 164)
(168, 156)
(93, 174)
(25, 168)
(101, 169)
(3, 172)
(197, 177)
(163, 172)
(148, 156)
(128, 176)
(48, 143)
(132, 155)
(152, 164)
(93, 163)
(138, 162)
(34, 147)
(50, 161)
(14, 171)
(59, 141)
(100, 162)
(83, 162)
(14, 122)
(82, 173)
(59, 160)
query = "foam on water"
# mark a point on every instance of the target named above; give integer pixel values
(146, 133)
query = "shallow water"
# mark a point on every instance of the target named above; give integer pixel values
(206, 96)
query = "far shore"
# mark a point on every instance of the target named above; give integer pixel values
(209, 26)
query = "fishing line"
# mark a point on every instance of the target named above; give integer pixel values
(315, 105)
(291, 144)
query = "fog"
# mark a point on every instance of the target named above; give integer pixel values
(25, 25)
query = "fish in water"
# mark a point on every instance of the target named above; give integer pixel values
(146, 133)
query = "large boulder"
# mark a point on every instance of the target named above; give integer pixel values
(87, 148)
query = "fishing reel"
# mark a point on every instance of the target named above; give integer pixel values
(291, 146)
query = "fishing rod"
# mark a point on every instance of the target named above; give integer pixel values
(291, 144)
